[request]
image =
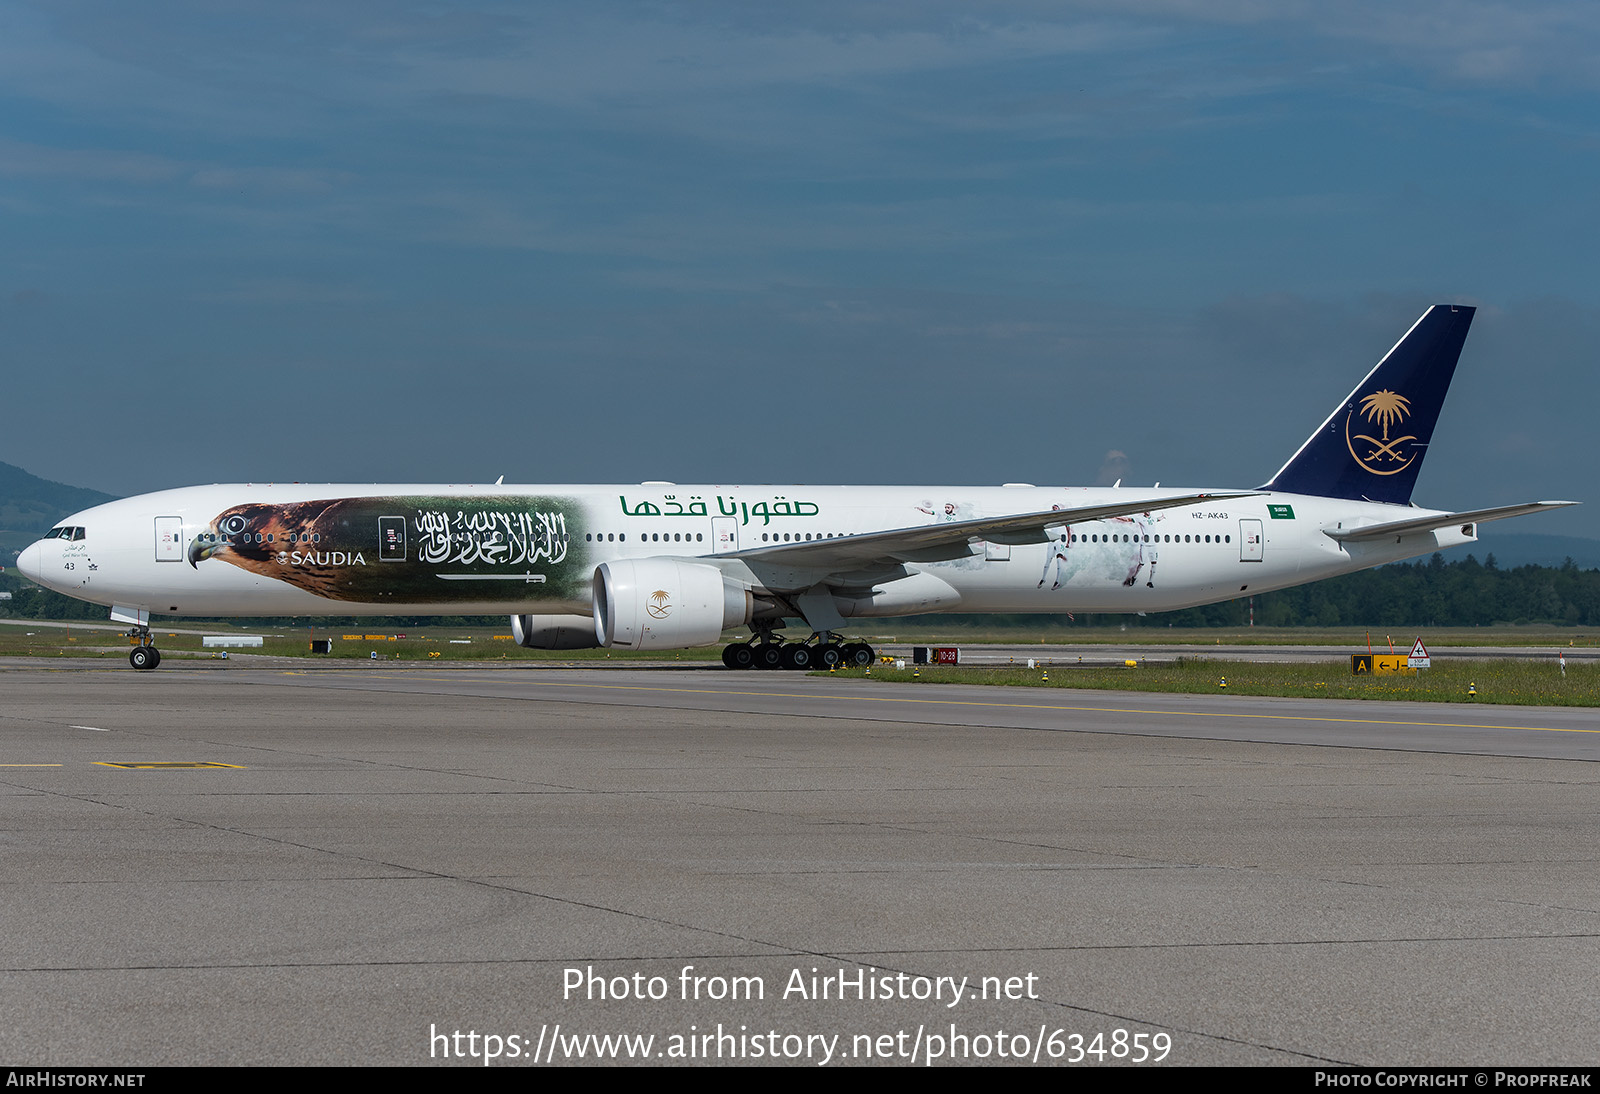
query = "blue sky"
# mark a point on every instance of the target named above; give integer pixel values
(902, 242)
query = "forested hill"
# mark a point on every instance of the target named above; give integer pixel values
(29, 506)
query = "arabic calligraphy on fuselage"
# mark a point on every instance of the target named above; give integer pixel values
(727, 506)
(496, 537)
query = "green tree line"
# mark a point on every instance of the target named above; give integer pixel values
(1427, 593)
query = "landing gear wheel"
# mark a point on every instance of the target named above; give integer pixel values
(740, 655)
(857, 655)
(144, 658)
(768, 655)
(829, 656)
(795, 656)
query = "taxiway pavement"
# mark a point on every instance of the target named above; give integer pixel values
(398, 853)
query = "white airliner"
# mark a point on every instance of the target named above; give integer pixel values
(663, 566)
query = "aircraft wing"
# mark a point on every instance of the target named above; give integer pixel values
(1399, 528)
(953, 539)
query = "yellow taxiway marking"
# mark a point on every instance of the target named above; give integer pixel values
(1016, 706)
(160, 765)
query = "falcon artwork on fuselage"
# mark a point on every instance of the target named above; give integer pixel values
(661, 566)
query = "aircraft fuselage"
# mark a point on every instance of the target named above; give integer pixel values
(252, 550)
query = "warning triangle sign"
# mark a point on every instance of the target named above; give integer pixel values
(1419, 658)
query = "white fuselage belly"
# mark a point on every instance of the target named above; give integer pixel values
(1170, 559)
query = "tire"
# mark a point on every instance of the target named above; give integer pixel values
(739, 656)
(829, 656)
(768, 655)
(144, 658)
(858, 655)
(796, 657)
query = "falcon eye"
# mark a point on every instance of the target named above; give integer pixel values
(233, 525)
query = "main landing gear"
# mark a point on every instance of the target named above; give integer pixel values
(144, 656)
(822, 651)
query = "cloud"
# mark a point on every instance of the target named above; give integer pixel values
(1114, 468)
(23, 160)
(272, 179)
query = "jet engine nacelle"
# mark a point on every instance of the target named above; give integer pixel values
(554, 632)
(662, 603)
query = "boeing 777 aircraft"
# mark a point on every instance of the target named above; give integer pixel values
(662, 566)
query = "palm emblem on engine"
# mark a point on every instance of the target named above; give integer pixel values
(1382, 455)
(658, 606)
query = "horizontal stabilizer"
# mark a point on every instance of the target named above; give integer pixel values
(1399, 528)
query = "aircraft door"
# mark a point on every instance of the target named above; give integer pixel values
(169, 539)
(1251, 541)
(724, 535)
(391, 539)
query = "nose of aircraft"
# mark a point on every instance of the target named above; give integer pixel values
(31, 561)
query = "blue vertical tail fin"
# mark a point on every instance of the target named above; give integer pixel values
(1372, 445)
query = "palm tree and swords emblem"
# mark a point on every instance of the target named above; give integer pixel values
(658, 604)
(1383, 408)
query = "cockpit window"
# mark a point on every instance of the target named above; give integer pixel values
(66, 531)
(56, 533)
(77, 533)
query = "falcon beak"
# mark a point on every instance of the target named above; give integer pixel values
(199, 550)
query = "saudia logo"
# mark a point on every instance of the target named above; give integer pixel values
(321, 558)
(1381, 455)
(657, 605)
